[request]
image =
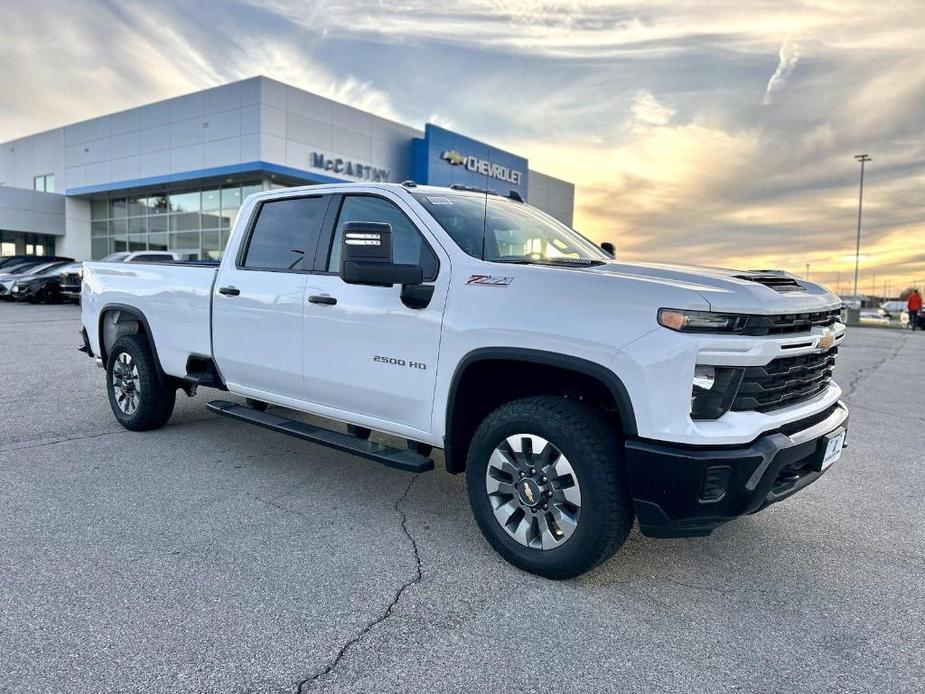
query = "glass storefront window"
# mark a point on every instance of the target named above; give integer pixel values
(211, 200)
(157, 204)
(137, 207)
(99, 209)
(157, 224)
(184, 240)
(157, 242)
(194, 223)
(185, 221)
(99, 248)
(185, 202)
(117, 208)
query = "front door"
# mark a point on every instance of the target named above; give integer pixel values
(369, 353)
(259, 300)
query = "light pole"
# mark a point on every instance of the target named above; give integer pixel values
(863, 158)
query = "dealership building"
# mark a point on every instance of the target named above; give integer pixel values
(171, 175)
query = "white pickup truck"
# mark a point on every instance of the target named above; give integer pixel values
(577, 393)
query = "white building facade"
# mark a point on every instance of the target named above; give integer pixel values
(171, 175)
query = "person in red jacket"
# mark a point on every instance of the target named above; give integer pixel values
(914, 306)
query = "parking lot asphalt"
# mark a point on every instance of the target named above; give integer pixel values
(211, 556)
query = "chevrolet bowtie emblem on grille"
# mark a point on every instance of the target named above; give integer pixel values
(826, 341)
(528, 492)
(453, 157)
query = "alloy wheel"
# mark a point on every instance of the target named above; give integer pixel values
(126, 384)
(533, 491)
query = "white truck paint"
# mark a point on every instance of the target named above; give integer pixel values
(270, 342)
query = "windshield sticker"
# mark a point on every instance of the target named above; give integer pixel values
(489, 280)
(439, 201)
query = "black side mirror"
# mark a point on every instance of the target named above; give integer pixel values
(609, 248)
(366, 257)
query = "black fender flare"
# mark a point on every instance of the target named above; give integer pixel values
(138, 315)
(563, 361)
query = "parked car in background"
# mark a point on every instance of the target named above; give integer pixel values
(142, 257)
(21, 272)
(42, 285)
(8, 262)
(892, 308)
(871, 317)
(70, 282)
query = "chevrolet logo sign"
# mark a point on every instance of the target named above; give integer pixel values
(826, 341)
(453, 157)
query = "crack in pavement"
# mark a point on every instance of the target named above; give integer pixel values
(304, 685)
(861, 374)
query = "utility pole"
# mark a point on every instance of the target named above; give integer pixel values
(862, 158)
(807, 272)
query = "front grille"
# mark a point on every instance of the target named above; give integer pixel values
(786, 323)
(779, 283)
(785, 381)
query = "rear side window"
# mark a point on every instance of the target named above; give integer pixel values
(285, 231)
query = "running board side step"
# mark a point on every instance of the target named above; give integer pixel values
(399, 458)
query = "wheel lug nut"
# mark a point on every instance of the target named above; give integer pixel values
(543, 479)
(545, 507)
(548, 492)
(532, 471)
(522, 474)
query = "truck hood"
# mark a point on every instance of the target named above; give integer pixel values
(732, 291)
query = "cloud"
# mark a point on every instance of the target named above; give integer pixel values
(788, 57)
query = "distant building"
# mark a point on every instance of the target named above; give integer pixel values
(171, 175)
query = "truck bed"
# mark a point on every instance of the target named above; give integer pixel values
(173, 297)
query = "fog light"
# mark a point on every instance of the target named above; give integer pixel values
(713, 390)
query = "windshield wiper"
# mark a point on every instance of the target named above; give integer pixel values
(586, 262)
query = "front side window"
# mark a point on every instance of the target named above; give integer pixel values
(500, 230)
(408, 247)
(284, 232)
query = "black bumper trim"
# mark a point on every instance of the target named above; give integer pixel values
(667, 481)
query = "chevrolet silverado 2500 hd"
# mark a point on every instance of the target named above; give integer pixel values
(577, 393)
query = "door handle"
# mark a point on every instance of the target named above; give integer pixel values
(229, 291)
(322, 299)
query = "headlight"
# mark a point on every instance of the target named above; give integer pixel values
(701, 321)
(714, 389)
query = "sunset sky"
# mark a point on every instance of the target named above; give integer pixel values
(719, 133)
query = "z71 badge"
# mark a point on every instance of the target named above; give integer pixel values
(489, 280)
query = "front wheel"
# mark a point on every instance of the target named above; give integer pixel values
(141, 399)
(547, 486)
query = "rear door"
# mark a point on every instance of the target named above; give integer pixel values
(258, 301)
(366, 352)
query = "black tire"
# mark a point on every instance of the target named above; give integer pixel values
(592, 448)
(258, 405)
(154, 399)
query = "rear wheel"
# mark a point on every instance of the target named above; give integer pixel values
(547, 486)
(141, 398)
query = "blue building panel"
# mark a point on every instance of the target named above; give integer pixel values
(443, 158)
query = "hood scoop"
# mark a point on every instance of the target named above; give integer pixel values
(778, 281)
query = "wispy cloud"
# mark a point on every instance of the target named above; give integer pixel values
(788, 57)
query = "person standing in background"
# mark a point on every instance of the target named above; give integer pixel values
(914, 306)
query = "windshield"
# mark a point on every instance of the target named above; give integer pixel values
(501, 230)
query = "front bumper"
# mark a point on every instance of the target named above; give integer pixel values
(687, 491)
